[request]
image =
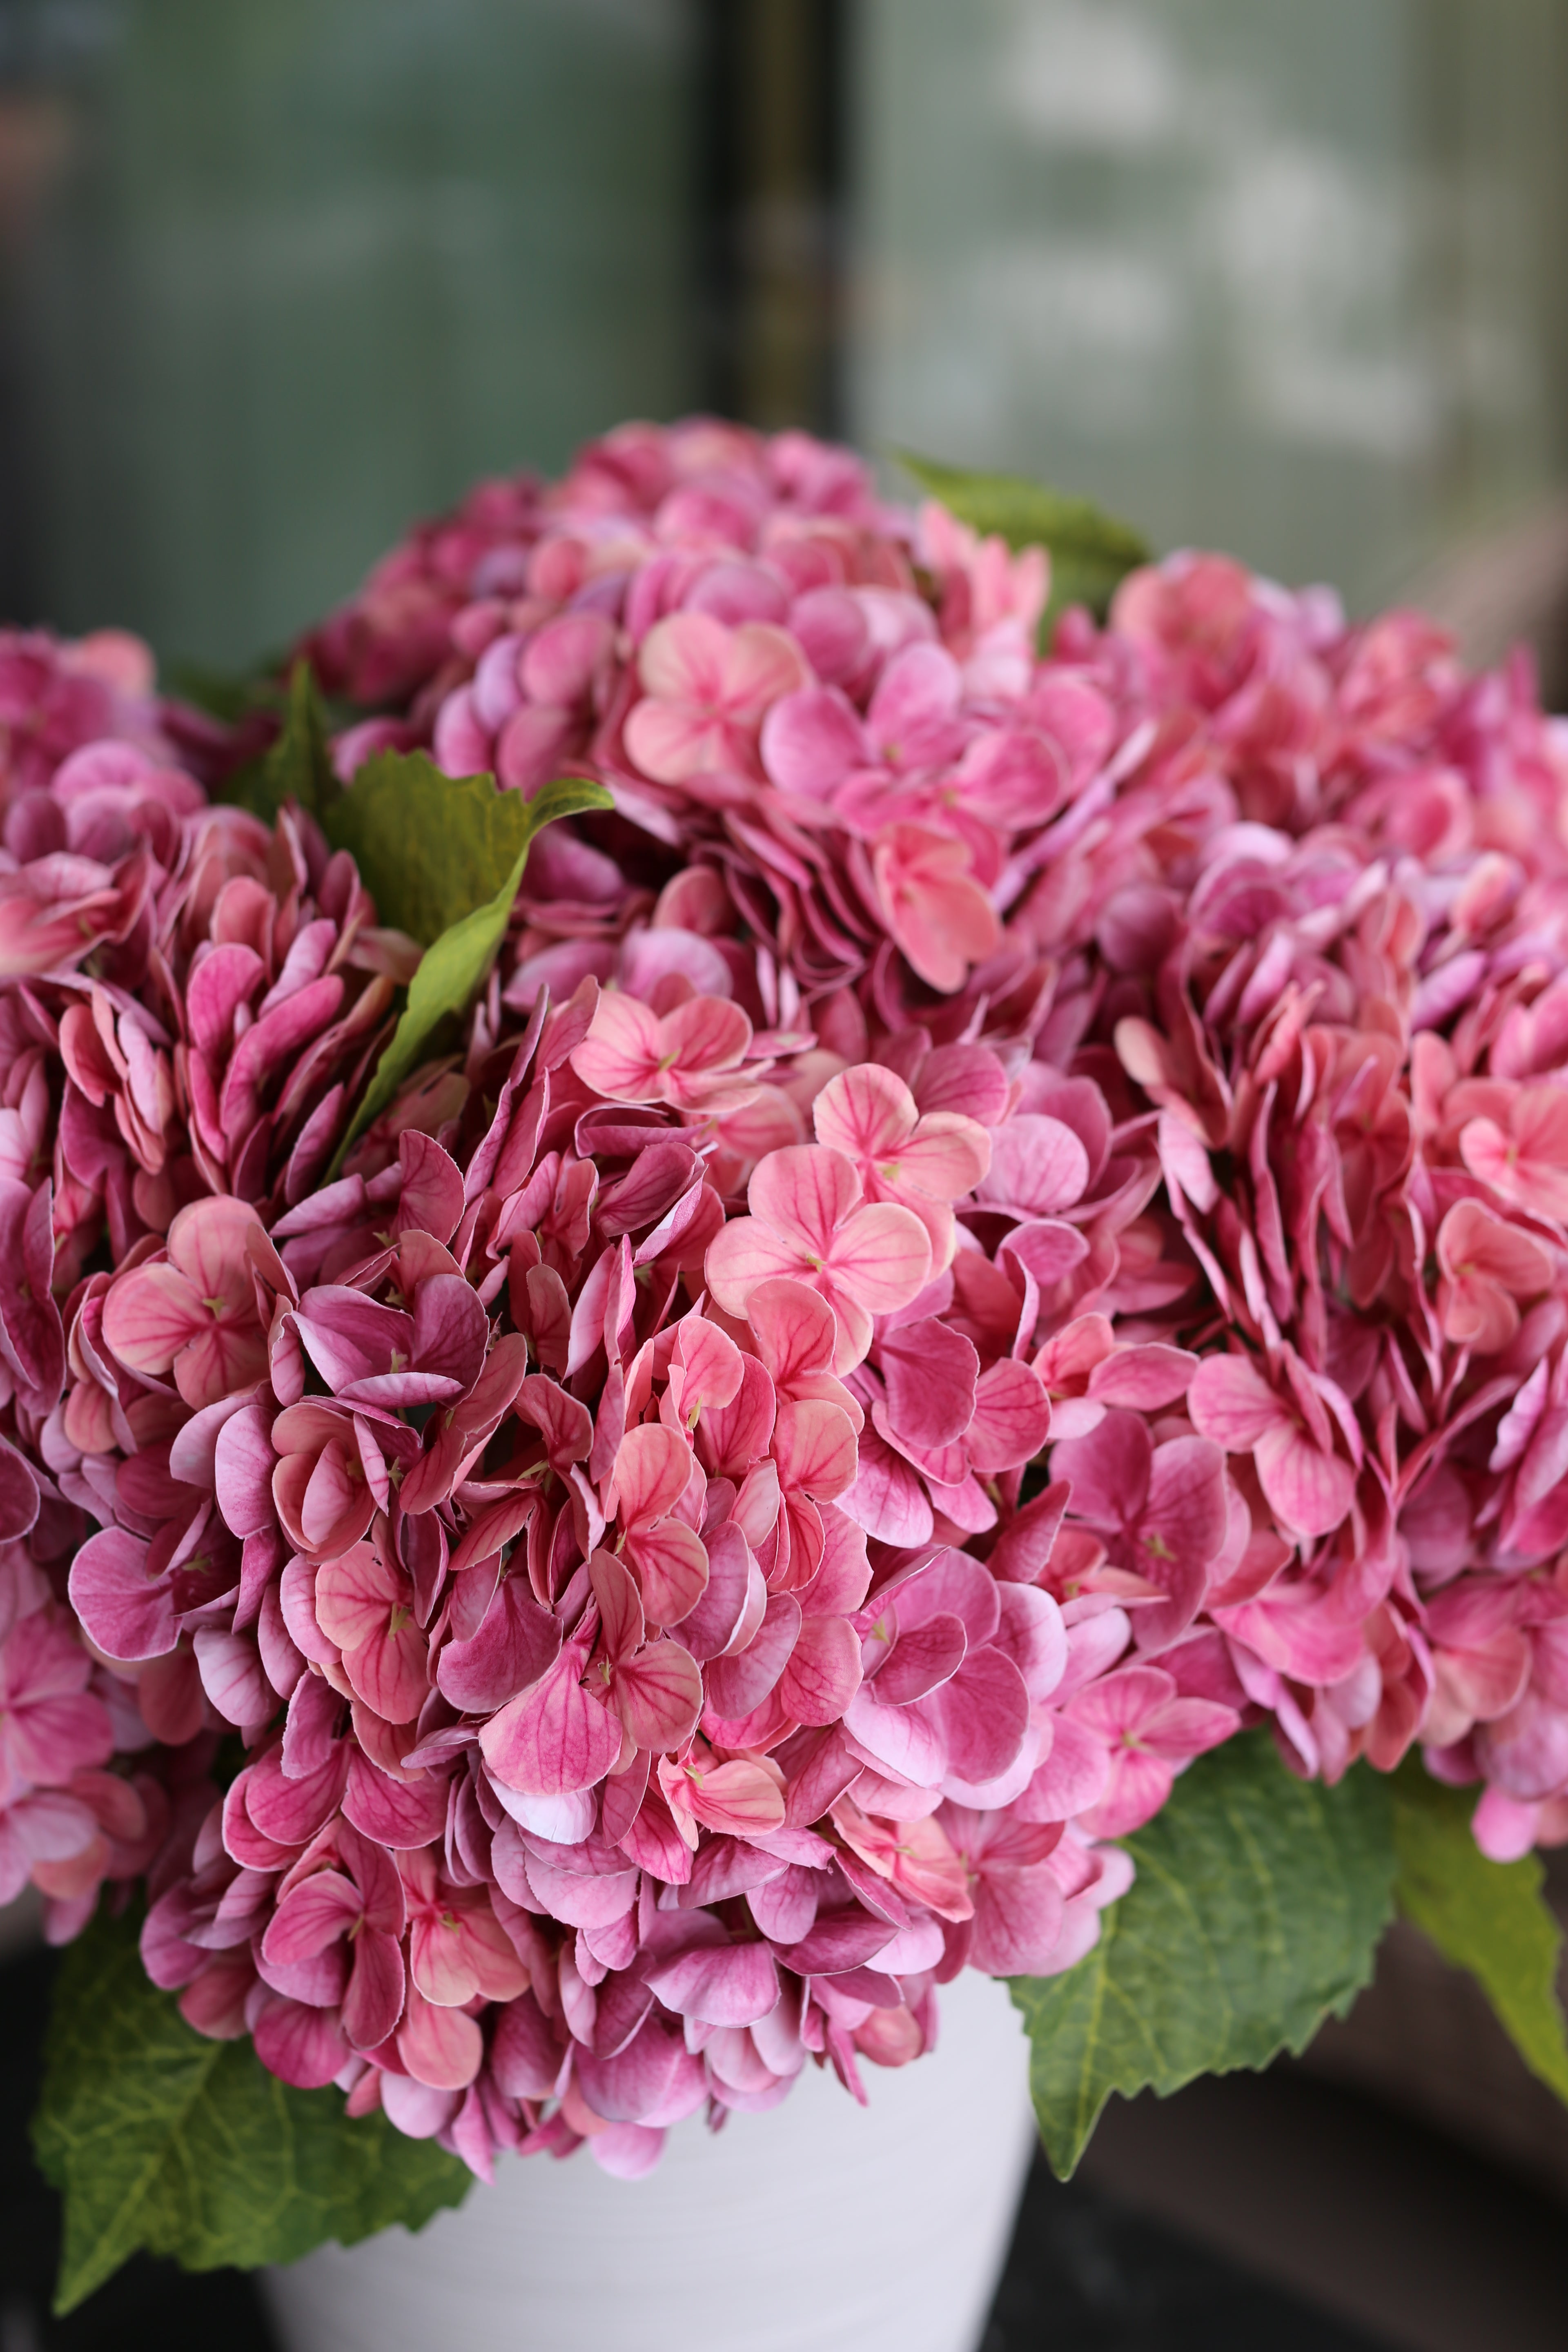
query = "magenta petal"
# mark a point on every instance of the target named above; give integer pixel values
(525, 2056)
(311, 1915)
(450, 1330)
(930, 1374)
(824, 1671)
(922, 1660)
(125, 1614)
(556, 1737)
(887, 1500)
(638, 2079)
(374, 2001)
(291, 1812)
(739, 1682)
(399, 1814)
(1017, 1921)
(838, 1941)
(300, 2045)
(984, 1715)
(1012, 1418)
(515, 1645)
(731, 1985)
(243, 1465)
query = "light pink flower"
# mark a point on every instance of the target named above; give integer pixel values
(809, 1221)
(689, 1058)
(924, 1163)
(932, 905)
(706, 688)
(1148, 1732)
(193, 1314)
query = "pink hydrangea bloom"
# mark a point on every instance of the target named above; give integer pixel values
(1004, 1217)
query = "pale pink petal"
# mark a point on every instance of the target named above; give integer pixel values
(1230, 1401)
(1310, 1490)
(867, 1113)
(553, 1738)
(727, 1985)
(620, 1055)
(812, 739)
(1038, 1167)
(805, 1193)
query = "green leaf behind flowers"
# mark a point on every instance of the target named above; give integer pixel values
(158, 2137)
(430, 848)
(1090, 551)
(1257, 1909)
(442, 859)
(298, 764)
(1489, 1917)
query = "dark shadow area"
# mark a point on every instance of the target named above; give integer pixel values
(1084, 2274)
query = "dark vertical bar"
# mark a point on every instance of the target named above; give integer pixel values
(771, 181)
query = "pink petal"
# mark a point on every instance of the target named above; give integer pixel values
(706, 1032)
(124, 1614)
(1012, 1418)
(303, 2046)
(931, 1373)
(376, 1987)
(867, 1113)
(887, 1500)
(1310, 1490)
(620, 1055)
(515, 1645)
(149, 1315)
(811, 741)
(1230, 1401)
(803, 1193)
(738, 1684)
(822, 1673)
(653, 1468)
(441, 2048)
(921, 1661)
(762, 665)
(731, 1985)
(659, 1695)
(312, 1915)
(813, 1449)
(671, 1564)
(554, 1739)
(793, 1327)
(984, 1715)
(1017, 1921)
(1038, 1167)
(881, 1257)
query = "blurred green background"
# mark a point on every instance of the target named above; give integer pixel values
(278, 274)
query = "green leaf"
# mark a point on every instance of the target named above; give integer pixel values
(1257, 1909)
(298, 766)
(227, 695)
(157, 2137)
(430, 848)
(1090, 551)
(1490, 1917)
(444, 861)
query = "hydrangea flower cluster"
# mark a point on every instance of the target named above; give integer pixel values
(997, 1220)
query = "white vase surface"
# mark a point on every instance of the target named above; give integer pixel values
(821, 2226)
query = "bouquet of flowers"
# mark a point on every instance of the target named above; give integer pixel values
(724, 1292)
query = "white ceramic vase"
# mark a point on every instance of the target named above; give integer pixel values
(820, 2227)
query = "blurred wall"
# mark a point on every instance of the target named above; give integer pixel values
(1280, 278)
(277, 275)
